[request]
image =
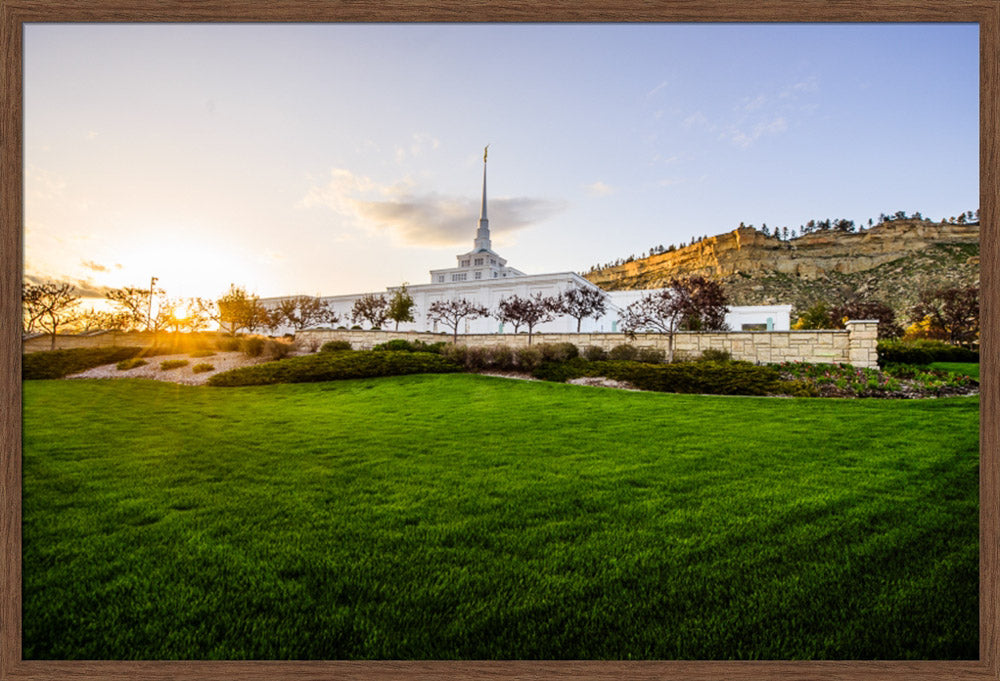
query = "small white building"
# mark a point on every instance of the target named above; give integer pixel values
(482, 276)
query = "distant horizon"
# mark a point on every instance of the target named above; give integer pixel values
(333, 159)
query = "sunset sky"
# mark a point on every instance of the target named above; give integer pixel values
(328, 159)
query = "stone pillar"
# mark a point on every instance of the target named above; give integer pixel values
(862, 341)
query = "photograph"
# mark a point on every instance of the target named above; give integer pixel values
(500, 341)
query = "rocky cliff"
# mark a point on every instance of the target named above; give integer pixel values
(891, 262)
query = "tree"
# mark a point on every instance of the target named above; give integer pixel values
(580, 302)
(401, 306)
(181, 315)
(134, 304)
(49, 306)
(371, 308)
(867, 309)
(301, 312)
(694, 303)
(235, 311)
(452, 312)
(951, 312)
(531, 311)
(816, 317)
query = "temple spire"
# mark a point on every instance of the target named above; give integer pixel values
(483, 233)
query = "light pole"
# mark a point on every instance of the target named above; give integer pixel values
(149, 308)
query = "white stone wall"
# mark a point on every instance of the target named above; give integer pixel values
(856, 345)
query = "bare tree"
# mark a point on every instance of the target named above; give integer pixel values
(694, 303)
(135, 305)
(50, 306)
(301, 312)
(452, 312)
(371, 308)
(580, 302)
(531, 311)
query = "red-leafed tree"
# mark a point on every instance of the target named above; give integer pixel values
(580, 302)
(690, 303)
(530, 311)
(452, 312)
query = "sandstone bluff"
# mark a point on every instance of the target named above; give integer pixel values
(891, 262)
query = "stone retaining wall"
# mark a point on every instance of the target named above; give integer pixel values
(856, 345)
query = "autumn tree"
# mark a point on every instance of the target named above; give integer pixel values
(953, 313)
(452, 312)
(816, 317)
(301, 312)
(581, 302)
(371, 308)
(401, 306)
(866, 309)
(692, 303)
(49, 306)
(531, 311)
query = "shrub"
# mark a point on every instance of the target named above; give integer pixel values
(203, 367)
(252, 346)
(335, 346)
(922, 351)
(595, 353)
(562, 371)
(335, 366)
(476, 358)
(168, 364)
(228, 344)
(201, 353)
(500, 357)
(401, 344)
(455, 353)
(711, 378)
(59, 363)
(623, 352)
(527, 359)
(127, 364)
(651, 356)
(558, 352)
(713, 355)
(278, 349)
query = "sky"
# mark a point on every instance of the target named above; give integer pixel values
(326, 159)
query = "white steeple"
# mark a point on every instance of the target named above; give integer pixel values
(482, 241)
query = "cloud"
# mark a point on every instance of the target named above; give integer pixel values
(424, 219)
(656, 89)
(419, 143)
(697, 120)
(85, 288)
(97, 267)
(599, 189)
(745, 139)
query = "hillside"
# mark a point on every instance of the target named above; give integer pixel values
(891, 262)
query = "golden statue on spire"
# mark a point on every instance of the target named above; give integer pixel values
(485, 149)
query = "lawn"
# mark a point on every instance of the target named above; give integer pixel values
(966, 368)
(463, 516)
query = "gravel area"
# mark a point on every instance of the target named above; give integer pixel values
(222, 361)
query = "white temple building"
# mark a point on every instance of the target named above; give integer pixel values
(483, 277)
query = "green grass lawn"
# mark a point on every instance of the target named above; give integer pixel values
(967, 368)
(463, 516)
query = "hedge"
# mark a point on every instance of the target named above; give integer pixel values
(712, 378)
(922, 352)
(332, 366)
(59, 363)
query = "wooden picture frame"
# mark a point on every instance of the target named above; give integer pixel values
(15, 13)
